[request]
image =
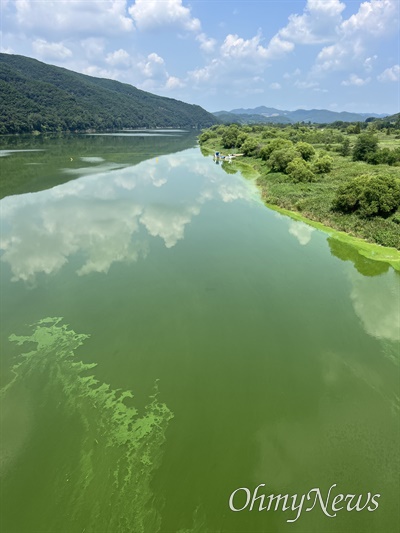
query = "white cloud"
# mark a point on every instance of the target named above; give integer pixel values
(316, 25)
(153, 67)
(369, 63)
(390, 74)
(306, 84)
(207, 44)
(96, 17)
(6, 50)
(99, 72)
(93, 47)
(275, 86)
(118, 58)
(174, 83)
(240, 61)
(152, 14)
(235, 47)
(355, 80)
(374, 19)
(48, 50)
(294, 74)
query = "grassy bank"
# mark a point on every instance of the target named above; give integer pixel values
(314, 198)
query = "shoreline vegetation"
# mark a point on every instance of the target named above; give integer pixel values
(343, 179)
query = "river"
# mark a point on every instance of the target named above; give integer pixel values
(167, 339)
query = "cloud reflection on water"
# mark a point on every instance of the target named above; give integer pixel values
(108, 217)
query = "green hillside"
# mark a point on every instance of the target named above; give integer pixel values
(41, 97)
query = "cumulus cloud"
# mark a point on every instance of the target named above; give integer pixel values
(390, 74)
(174, 83)
(249, 57)
(318, 23)
(275, 86)
(207, 44)
(374, 19)
(151, 14)
(118, 58)
(48, 50)
(97, 17)
(355, 80)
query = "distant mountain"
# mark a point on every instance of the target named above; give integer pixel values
(246, 118)
(271, 114)
(37, 96)
(261, 110)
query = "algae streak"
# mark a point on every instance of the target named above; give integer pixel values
(107, 487)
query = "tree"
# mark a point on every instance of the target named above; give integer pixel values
(345, 147)
(323, 164)
(275, 144)
(279, 159)
(300, 171)
(369, 195)
(229, 137)
(306, 150)
(366, 144)
(250, 146)
(242, 136)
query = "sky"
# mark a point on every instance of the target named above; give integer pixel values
(220, 54)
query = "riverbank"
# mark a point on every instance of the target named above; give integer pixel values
(312, 202)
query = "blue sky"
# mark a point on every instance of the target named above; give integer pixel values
(332, 54)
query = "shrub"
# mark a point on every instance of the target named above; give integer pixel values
(229, 137)
(384, 156)
(323, 164)
(275, 144)
(366, 144)
(207, 135)
(306, 150)
(345, 147)
(241, 138)
(279, 159)
(250, 146)
(369, 196)
(299, 171)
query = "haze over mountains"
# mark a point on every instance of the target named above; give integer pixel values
(36, 96)
(271, 114)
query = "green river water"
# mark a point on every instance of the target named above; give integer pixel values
(167, 339)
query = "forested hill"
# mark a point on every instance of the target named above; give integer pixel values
(41, 97)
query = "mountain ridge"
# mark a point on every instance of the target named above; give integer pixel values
(274, 115)
(40, 97)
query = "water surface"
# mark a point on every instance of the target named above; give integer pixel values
(167, 339)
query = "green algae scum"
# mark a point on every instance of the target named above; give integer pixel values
(108, 486)
(168, 339)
